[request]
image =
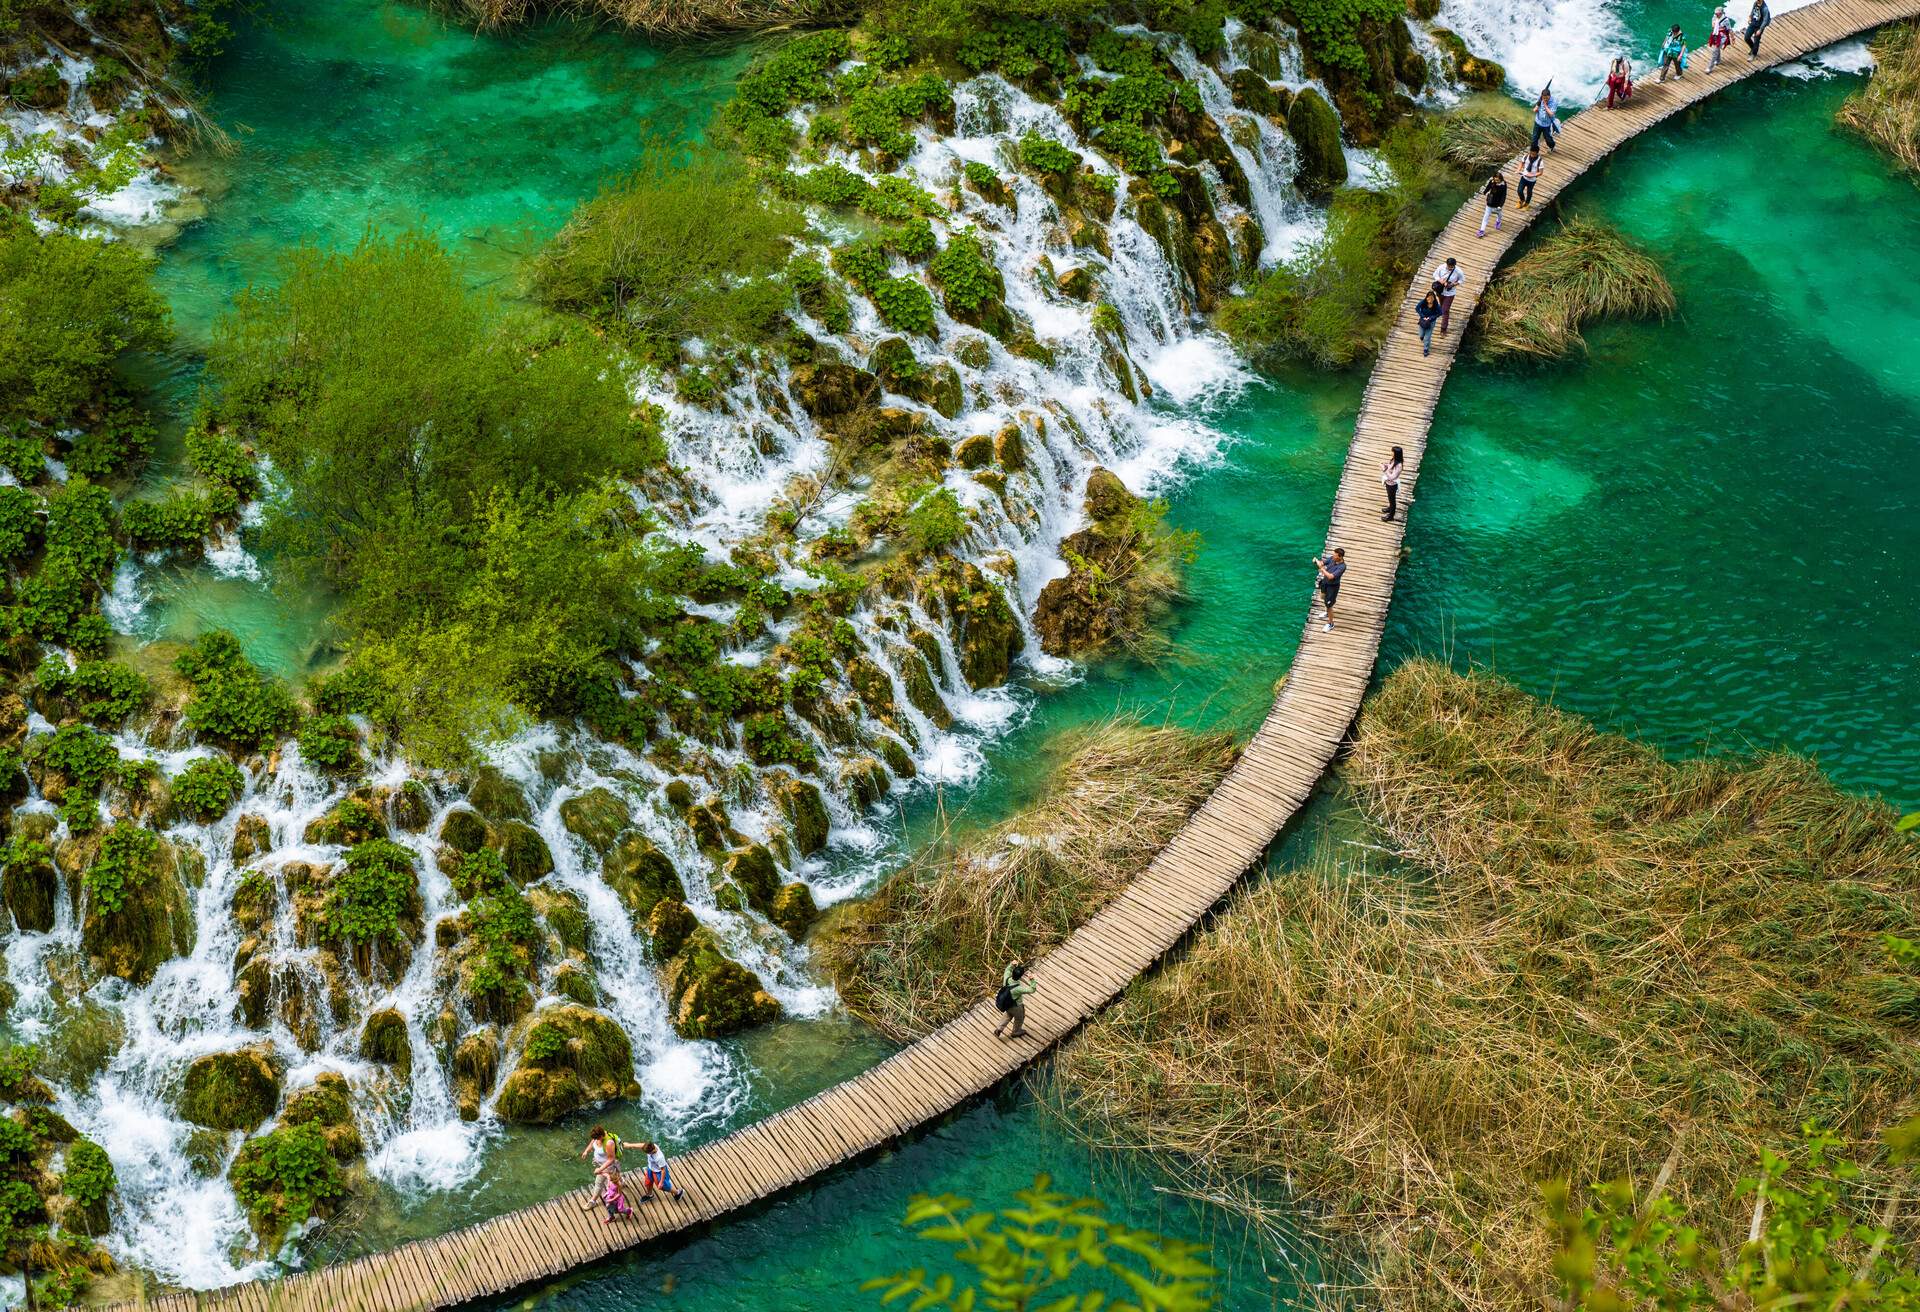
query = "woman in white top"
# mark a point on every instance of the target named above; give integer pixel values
(1390, 479)
(1530, 170)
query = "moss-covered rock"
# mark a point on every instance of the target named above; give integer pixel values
(352, 820)
(565, 914)
(1465, 66)
(327, 1105)
(476, 1065)
(917, 676)
(30, 886)
(596, 817)
(575, 983)
(148, 922)
(525, 852)
(864, 781)
(986, 633)
(752, 870)
(231, 1090)
(497, 797)
(805, 809)
(975, 452)
(383, 1038)
(411, 807)
(1256, 95)
(828, 389)
(794, 909)
(251, 838)
(710, 995)
(569, 1057)
(641, 874)
(670, 926)
(464, 831)
(1316, 132)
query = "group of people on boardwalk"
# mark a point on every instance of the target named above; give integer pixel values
(1673, 50)
(610, 1183)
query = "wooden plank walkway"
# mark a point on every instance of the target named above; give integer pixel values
(1222, 840)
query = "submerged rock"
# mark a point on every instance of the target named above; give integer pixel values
(570, 1056)
(231, 1090)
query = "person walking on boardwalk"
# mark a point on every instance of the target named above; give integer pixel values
(1390, 479)
(608, 1186)
(1673, 55)
(1530, 169)
(658, 1178)
(1495, 193)
(1331, 567)
(1427, 312)
(1447, 276)
(1619, 82)
(1015, 989)
(1759, 18)
(1545, 126)
(1720, 37)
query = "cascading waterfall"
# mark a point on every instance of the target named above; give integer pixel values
(743, 454)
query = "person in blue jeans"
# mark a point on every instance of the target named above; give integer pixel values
(1759, 18)
(1427, 312)
(1545, 126)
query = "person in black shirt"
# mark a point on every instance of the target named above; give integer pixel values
(1331, 567)
(1496, 193)
(1757, 20)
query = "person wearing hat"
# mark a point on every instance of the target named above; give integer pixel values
(1331, 567)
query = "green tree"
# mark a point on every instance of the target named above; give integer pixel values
(1050, 1253)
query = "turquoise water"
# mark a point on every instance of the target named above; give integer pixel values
(1704, 531)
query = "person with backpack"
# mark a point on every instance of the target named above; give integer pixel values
(1719, 37)
(1495, 193)
(1619, 82)
(1759, 18)
(1427, 312)
(1530, 169)
(1331, 567)
(1015, 989)
(1673, 55)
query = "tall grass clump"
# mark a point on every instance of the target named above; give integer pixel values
(1481, 143)
(1586, 961)
(935, 938)
(1585, 271)
(1887, 112)
(658, 17)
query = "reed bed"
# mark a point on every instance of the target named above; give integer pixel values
(673, 18)
(935, 938)
(1577, 959)
(1481, 143)
(1887, 112)
(1585, 271)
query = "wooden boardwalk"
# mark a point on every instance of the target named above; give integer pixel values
(1222, 840)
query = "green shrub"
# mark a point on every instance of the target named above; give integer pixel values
(208, 788)
(904, 304)
(1045, 155)
(104, 692)
(83, 755)
(796, 72)
(1132, 146)
(966, 275)
(330, 742)
(936, 521)
(88, 1177)
(862, 263)
(20, 524)
(1018, 48)
(915, 240)
(770, 739)
(479, 872)
(284, 1176)
(122, 438)
(221, 460)
(1330, 29)
(896, 199)
(56, 602)
(830, 184)
(127, 857)
(23, 454)
(233, 702)
(1315, 306)
(181, 520)
(351, 690)
(876, 115)
(545, 1041)
(370, 892)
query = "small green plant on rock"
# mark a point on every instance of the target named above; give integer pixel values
(233, 702)
(127, 853)
(330, 742)
(207, 788)
(286, 1176)
(370, 892)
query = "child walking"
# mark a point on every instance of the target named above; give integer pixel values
(659, 1179)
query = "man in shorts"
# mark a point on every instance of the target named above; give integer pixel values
(658, 1178)
(1331, 567)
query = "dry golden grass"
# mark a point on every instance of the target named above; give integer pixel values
(1481, 143)
(1584, 271)
(658, 17)
(1600, 955)
(935, 938)
(1887, 113)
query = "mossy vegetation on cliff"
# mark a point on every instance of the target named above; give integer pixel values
(1599, 957)
(1887, 111)
(935, 937)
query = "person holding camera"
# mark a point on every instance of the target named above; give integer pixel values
(1331, 567)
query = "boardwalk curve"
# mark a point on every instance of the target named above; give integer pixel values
(1220, 842)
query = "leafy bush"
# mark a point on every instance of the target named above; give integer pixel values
(1045, 155)
(330, 742)
(122, 437)
(770, 739)
(69, 308)
(89, 1175)
(56, 602)
(862, 263)
(896, 199)
(19, 523)
(284, 1176)
(182, 519)
(478, 873)
(830, 184)
(221, 460)
(127, 856)
(1315, 306)
(915, 240)
(1330, 29)
(208, 787)
(370, 892)
(83, 755)
(351, 690)
(1018, 48)
(967, 277)
(233, 702)
(935, 522)
(104, 692)
(905, 304)
(1132, 146)
(876, 115)
(545, 1041)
